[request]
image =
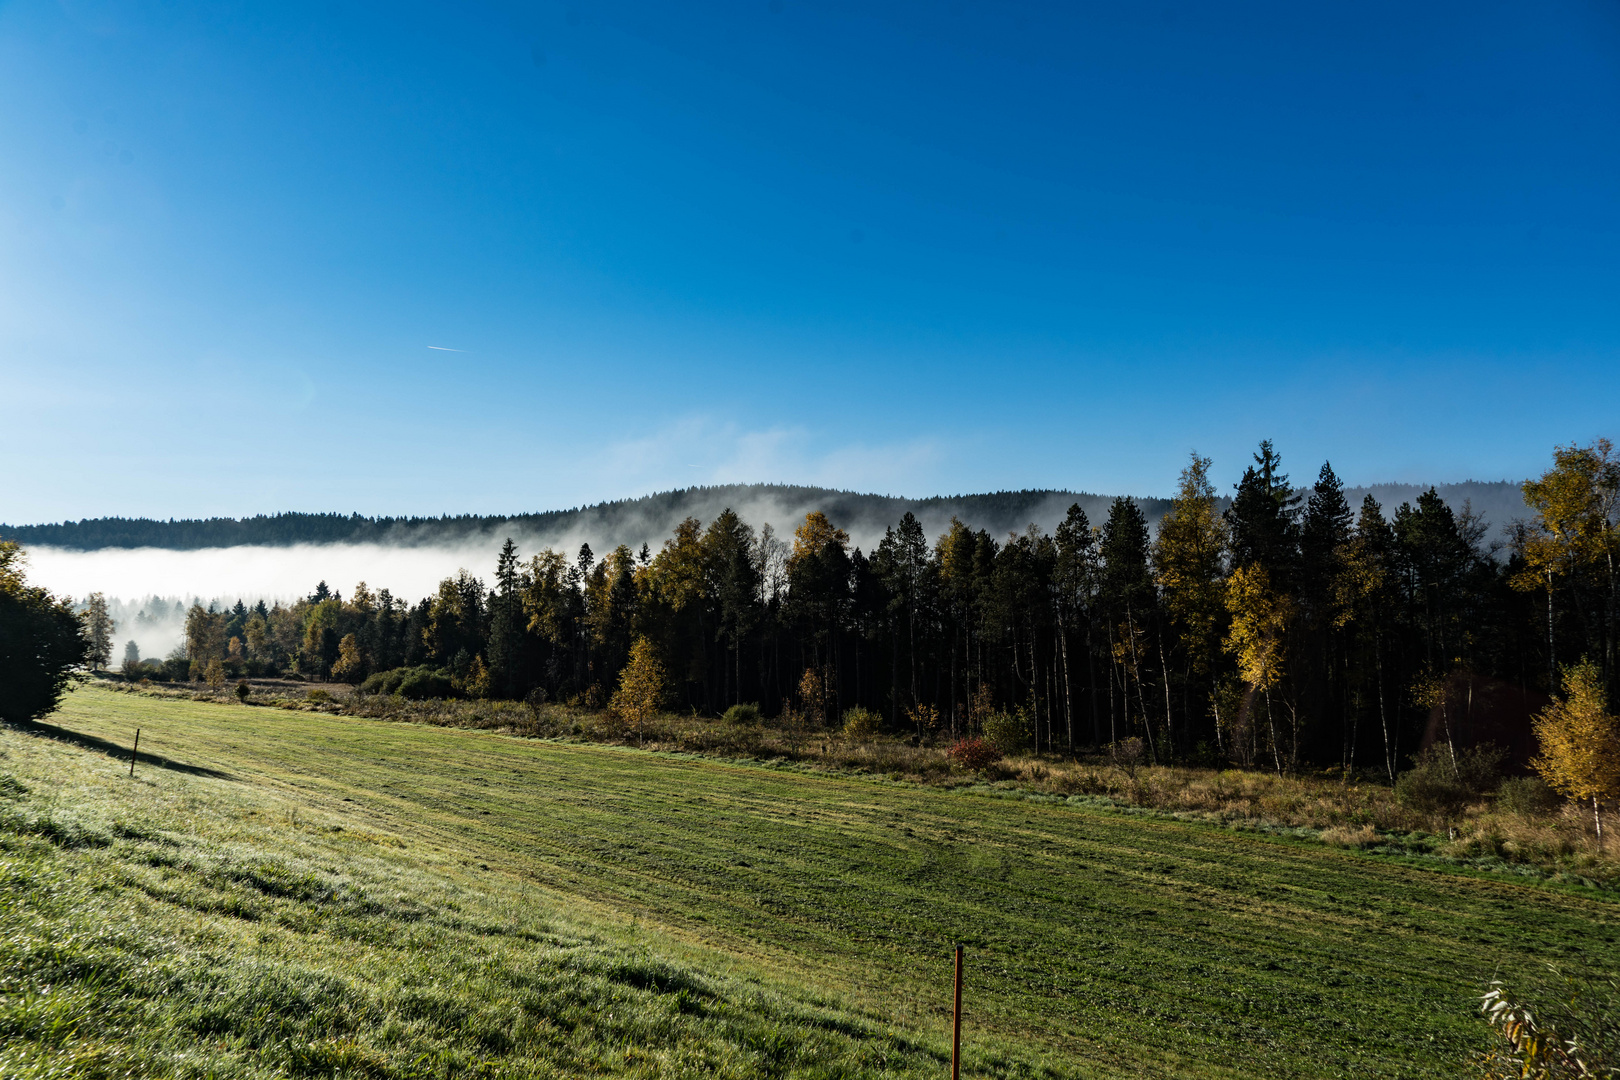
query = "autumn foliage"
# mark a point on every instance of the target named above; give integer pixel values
(974, 754)
(1580, 742)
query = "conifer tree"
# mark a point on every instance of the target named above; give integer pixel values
(236, 621)
(1263, 520)
(912, 586)
(1075, 577)
(734, 580)
(1433, 560)
(1364, 598)
(953, 556)
(1325, 531)
(1127, 597)
(506, 623)
(98, 631)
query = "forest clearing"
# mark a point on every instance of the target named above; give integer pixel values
(308, 893)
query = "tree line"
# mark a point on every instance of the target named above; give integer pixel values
(1290, 628)
(625, 518)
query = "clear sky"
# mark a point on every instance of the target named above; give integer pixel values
(911, 248)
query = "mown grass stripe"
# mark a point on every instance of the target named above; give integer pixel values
(1143, 936)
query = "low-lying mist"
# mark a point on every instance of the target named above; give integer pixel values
(155, 580)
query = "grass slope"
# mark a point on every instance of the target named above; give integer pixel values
(808, 918)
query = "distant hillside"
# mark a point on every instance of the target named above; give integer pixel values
(648, 519)
(651, 518)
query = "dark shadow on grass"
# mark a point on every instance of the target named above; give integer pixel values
(113, 750)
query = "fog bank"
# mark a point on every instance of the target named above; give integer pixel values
(155, 580)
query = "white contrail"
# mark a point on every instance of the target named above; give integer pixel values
(442, 348)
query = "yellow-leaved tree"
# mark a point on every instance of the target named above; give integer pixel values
(1580, 742)
(814, 534)
(641, 686)
(1258, 636)
(1187, 554)
(351, 662)
(1575, 535)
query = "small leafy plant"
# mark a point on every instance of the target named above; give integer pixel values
(1575, 1034)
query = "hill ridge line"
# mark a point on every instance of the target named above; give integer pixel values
(650, 518)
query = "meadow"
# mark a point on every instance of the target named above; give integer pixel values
(1507, 824)
(282, 892)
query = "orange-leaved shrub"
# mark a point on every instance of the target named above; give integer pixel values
(974, 754)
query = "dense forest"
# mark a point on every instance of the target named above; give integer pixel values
(630, 521)
(1289, 628)
(651, 518)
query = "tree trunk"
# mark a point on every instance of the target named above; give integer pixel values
(1552, 664)
(1068, 684)
(1035, 691)
(1383, 716)
(1169, 729)
(1445, 721)
(1141, 697)
(1113, 729)
(894, 682)
(953, 685)
(1271, 722)
(1091, 685)
(911, 646)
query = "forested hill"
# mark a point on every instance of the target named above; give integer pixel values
(651, 518)
(648, 519)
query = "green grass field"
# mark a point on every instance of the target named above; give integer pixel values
(312, 894)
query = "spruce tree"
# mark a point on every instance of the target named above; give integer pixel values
(1324, 539)
(1366, 602)
(1263, 519)
(1128, 599)
(734, 577)
(98, 630)
(506, 624)
(1075, 578)
(1324, 532)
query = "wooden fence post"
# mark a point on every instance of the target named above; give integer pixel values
(134, 752)
(956, 1021)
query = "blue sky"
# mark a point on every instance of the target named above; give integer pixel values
(911, 248)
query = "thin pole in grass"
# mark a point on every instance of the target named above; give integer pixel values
(134, 751)
(956, 1021)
